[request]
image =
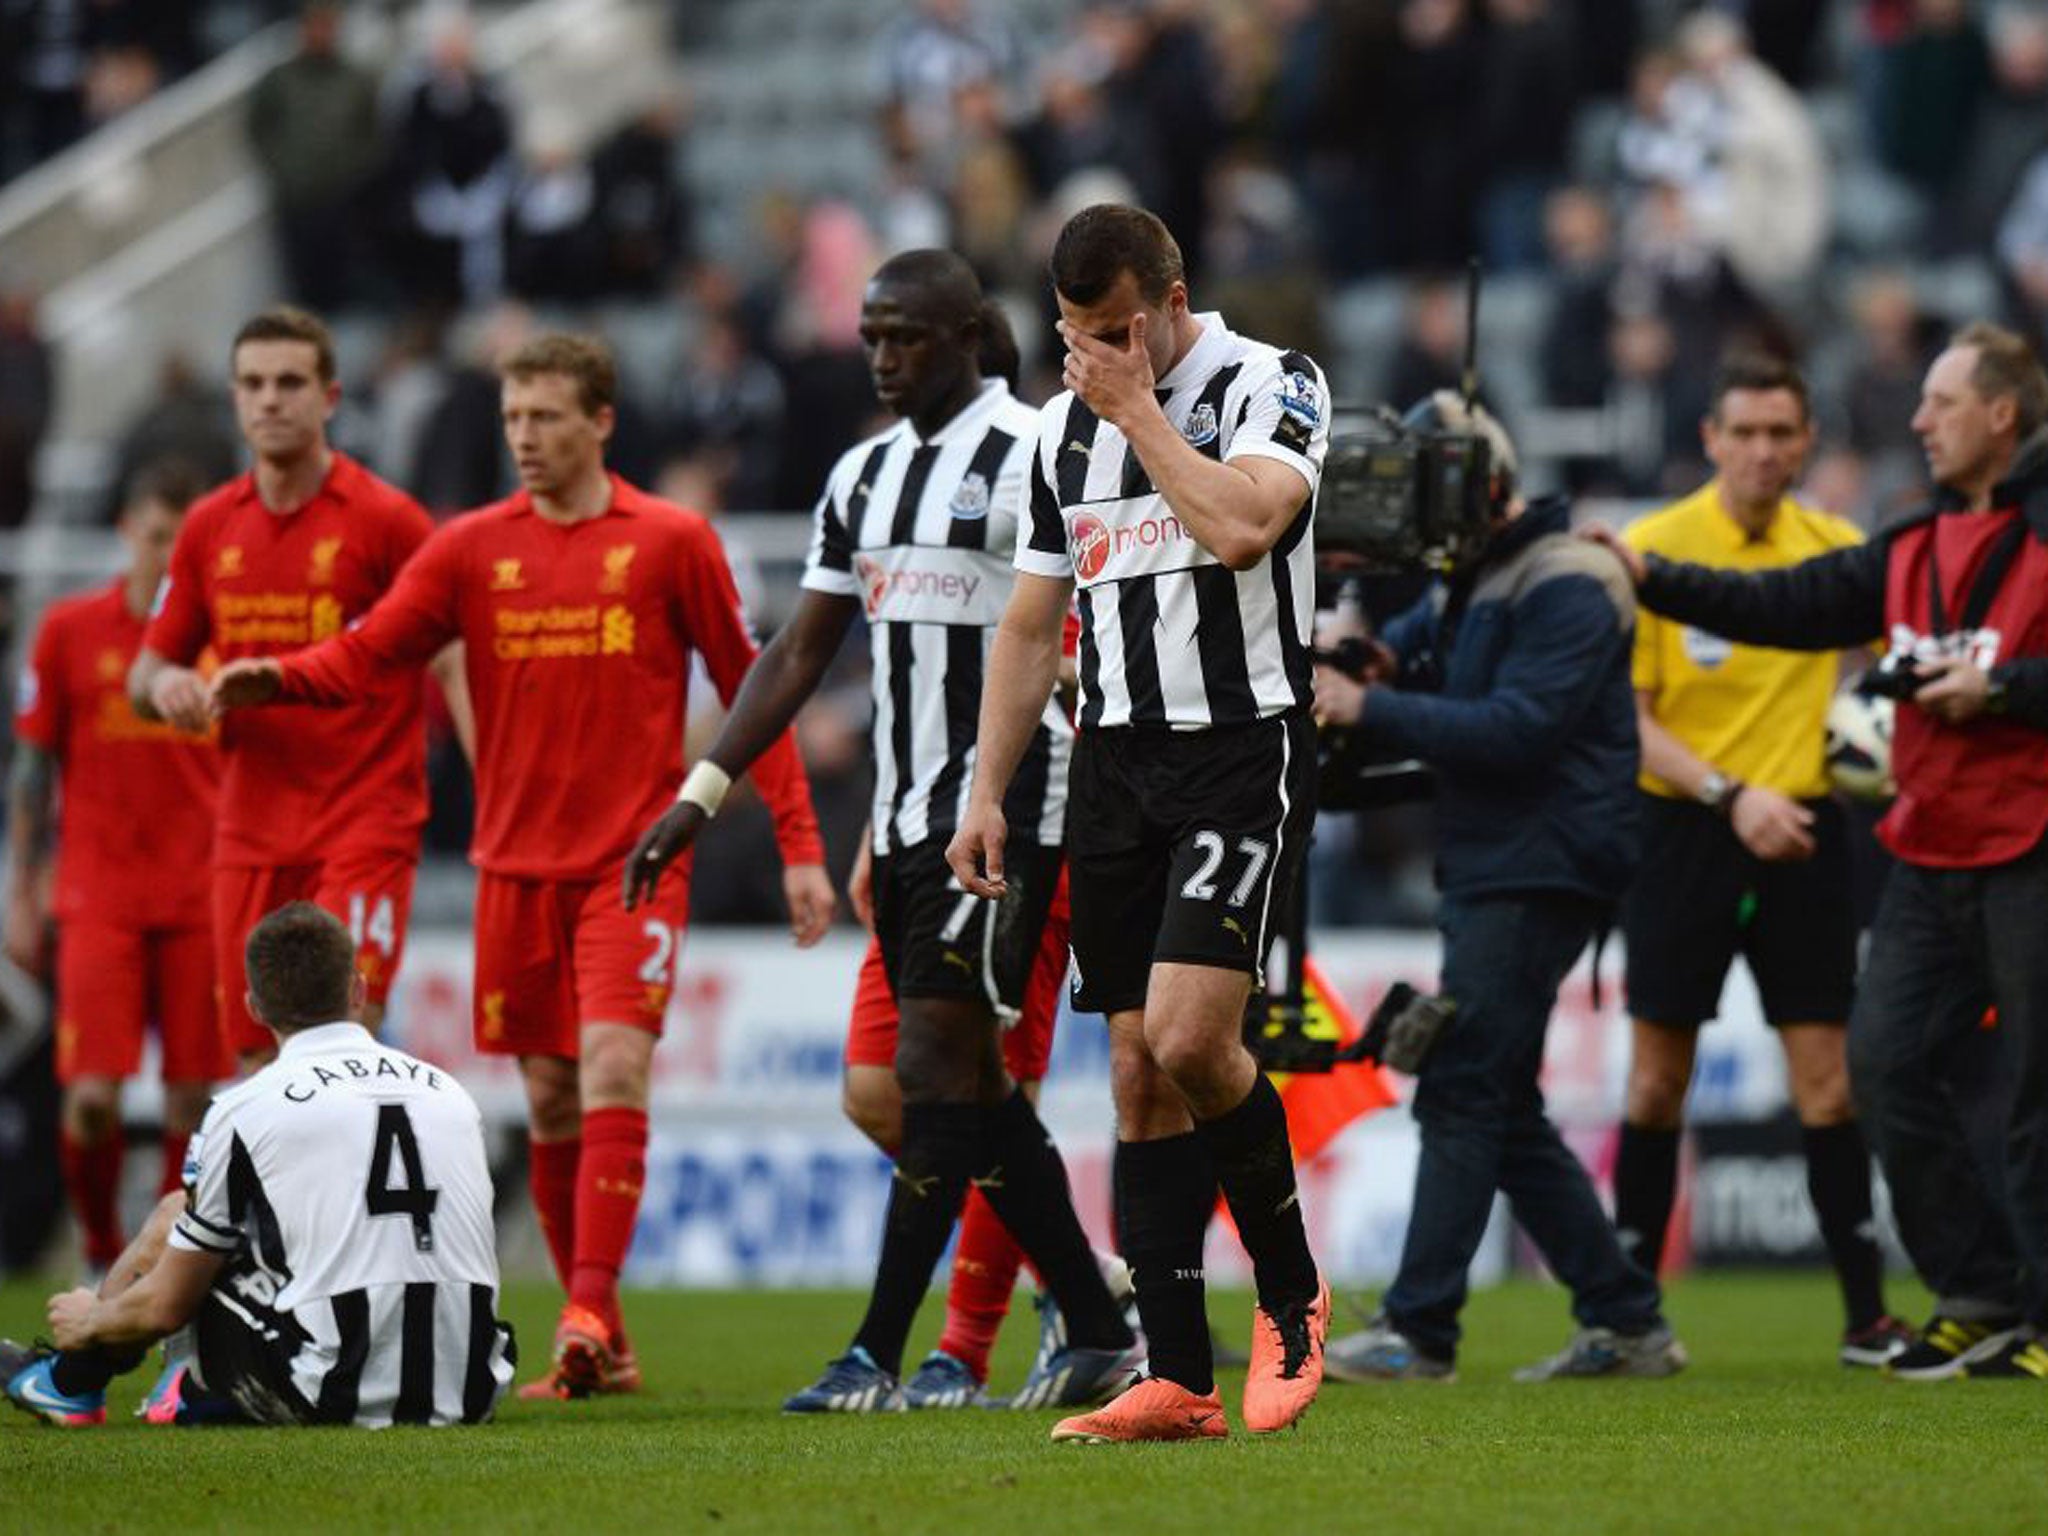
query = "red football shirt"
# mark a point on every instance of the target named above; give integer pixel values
(136, 800)
(300, 783)
(578, 640)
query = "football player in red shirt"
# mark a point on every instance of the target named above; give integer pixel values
(581, 600)
(134, 805)
(321, 805)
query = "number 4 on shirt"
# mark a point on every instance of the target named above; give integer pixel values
(414, 1197)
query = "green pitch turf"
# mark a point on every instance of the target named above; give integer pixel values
(1764, 1433)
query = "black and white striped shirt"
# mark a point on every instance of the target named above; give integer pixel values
(350, 1182)
(923, 532)
(1169, 634)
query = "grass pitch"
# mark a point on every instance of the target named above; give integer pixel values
(1764, 1433)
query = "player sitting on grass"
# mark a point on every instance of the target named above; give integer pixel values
(332, 1256)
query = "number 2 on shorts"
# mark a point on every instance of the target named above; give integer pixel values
(656, 969)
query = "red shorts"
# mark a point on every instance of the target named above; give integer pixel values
(554, 955)
(370, 891)
(1027, 1044)
(112, 981)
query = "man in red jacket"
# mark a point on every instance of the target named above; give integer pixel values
(1960, 594)
(581, 600)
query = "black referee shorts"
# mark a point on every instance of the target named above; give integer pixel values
(939, 941)
(1181, 846)
(1701, 898)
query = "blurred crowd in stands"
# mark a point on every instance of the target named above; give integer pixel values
(1647, 182)
(1833, 181)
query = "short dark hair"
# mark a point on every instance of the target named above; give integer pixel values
(583, 359)
(2007, 365)
(1759, 371)
(1105, 240)
(998, 356)
(286, 322)
(176, 483)
(301, 964)
(945, 282)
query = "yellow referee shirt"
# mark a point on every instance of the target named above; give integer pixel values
(1758, 715)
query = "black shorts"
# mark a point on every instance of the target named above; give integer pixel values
(245, 1347)
(938, 941)
(1182, 848)
(1701, 898)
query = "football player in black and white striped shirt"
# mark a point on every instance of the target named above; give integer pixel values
(918, 526)
(333, 1255)
(1174, 482)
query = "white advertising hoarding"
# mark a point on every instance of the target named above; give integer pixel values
(754, 1178)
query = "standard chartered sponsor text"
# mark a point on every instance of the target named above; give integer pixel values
(557, 632)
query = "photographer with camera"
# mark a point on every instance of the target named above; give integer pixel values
(1961, 594)
(1510, 679)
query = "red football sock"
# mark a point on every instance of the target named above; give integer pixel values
(173, 1178)
(92, 1176)
(551, 1179)
(608, 1183)
(984, 1274)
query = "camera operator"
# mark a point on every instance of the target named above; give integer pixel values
(1961, 595)
(1511, 680)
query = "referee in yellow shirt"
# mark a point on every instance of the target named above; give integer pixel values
(1743, 851)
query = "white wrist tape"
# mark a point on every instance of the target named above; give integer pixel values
(704, 787)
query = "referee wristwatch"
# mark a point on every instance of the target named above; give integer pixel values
(1717, 792)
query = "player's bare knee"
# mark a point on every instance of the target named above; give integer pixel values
(1191, 1059)
(929, 1071)
(874, 1107)
(616, 1062)
(554, 1105)
(92, 1110)
(945, 1052)
(1822, 1098)
(1656, 1098)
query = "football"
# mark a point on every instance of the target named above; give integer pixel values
(1859, 745)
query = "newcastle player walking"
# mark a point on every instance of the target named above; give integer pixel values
(918, 525)
(1174, 483)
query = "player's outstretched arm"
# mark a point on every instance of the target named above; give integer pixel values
(1630, 557)
(161, 1302)
(167, 693)
(774, 689)
(1023, 667)
(248, 683)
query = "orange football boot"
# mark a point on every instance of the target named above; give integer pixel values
(1287, 1362)
(1154, 1409)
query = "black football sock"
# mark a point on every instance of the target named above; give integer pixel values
(1255, 1165)
(1165, 1191)
(1838, 1179)
(1645, 1185)
(1025, 1183)
(942, 1144)
(89, 1370)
